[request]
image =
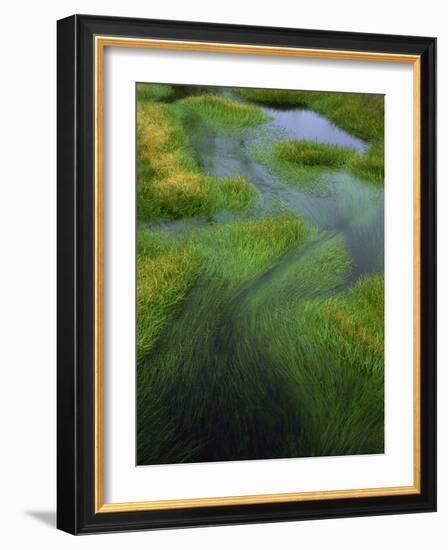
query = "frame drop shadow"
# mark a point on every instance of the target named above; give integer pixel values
(47, 517)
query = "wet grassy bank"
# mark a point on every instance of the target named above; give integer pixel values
(256, 335)
(360, 114)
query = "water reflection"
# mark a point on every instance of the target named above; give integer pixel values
(309, 125)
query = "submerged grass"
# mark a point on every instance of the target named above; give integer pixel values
(261, 360)
(170, 184)
(312, 178)
(193, 376)
(168, 265)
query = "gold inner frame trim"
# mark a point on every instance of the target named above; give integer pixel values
(101, 42)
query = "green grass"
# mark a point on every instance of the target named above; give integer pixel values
(357, 318)
(251, 343)
(238, 251)
(168, 265)
(166, 270)
(359, 114)
(265, 357)
(310, 153)
(154, 92)
(273, 98)
(170, 184)
(159, 93)
(370, 166)
(291, 157)
(343, 338)
(329, 345)
(223, 112)
(190, 380)
(312, 178)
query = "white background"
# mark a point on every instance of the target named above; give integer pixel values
(27, 289)
(123, 481)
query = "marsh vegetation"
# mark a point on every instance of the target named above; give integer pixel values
(260, 287)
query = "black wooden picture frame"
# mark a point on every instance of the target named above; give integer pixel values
(78, 511)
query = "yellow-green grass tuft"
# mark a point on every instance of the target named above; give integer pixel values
(170, 185)
(354, 322)
(166, 269)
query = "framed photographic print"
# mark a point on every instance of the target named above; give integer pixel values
(246, 274)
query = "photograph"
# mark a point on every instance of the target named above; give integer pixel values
(259, 273)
